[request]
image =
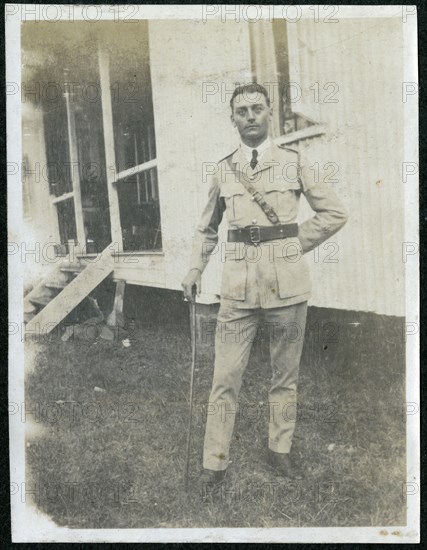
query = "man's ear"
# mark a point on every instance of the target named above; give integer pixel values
(232, 120)
(271, 114)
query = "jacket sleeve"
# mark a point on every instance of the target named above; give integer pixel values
(206, 235)
(330, 214)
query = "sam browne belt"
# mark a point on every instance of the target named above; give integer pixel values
(254, 234)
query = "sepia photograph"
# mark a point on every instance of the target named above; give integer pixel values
(213, 273)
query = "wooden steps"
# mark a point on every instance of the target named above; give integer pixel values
(41, 300)
(71, 268)
(56, 286)
(62, 290)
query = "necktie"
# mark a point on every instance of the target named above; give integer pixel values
(254, 160)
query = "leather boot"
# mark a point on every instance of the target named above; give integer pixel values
(284, 465)
(211, 484)
(212, 476)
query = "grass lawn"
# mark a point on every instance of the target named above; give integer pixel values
(116, 458)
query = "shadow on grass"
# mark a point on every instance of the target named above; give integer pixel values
(110, 448)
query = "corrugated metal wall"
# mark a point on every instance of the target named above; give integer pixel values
(362, 269)
(363, 58)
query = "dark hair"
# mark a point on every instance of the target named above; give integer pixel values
(251, 88)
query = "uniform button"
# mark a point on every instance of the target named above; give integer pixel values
(251, 177)
(252, 198)
(283, 189)
(254, 221)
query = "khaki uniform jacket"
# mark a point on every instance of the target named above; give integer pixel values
(275, 273)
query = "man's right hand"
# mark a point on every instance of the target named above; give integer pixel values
(193, 278)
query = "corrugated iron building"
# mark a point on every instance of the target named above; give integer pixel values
(150, 108)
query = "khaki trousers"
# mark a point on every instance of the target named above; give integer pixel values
(235, 333)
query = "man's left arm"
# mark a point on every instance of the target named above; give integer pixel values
(330, 215)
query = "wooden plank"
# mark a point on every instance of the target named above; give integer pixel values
(39, 288)
(110, 157)
(41, 300)
(75, 173)
(311, 131)
(299, 53)
(136, 170)
(63, 197)
(116, 316)
(72, 295)
(264, 58)
(57, 286)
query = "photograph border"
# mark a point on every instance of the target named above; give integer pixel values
(29, 525)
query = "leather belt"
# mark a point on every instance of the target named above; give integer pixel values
(254, 234)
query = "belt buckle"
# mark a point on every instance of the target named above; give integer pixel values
(255, 237)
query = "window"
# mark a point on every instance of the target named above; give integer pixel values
(92, 164)
(96, 98)
(69, 95)
(67, 221)
(285, 64)
(132, 121)
(57, 147)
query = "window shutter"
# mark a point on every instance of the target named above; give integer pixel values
(265, 67)
(302, 71)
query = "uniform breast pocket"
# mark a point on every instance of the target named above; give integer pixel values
(233, 194)
(283, 196)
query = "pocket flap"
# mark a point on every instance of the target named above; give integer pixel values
(290, 249)
(234, 251)
(231, 189)
(279, 183)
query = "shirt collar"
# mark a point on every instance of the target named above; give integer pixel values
(262, 148)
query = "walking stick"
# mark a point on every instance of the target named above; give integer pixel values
(193, 364)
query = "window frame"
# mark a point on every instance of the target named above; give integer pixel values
(263, 52)
(114, 177)
(296, 49)
(75, 194)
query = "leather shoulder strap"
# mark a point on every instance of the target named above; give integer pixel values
(228, 157)
(259, 199)
(288, 148)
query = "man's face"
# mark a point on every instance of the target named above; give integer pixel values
(251, 115)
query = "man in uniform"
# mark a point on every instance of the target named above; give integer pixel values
(265, 275)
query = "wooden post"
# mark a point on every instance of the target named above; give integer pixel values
(110, 157)
(262, 38)
(116, 316)
(75, 173)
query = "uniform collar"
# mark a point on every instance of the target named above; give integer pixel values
(270, 155)
(262, 148)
